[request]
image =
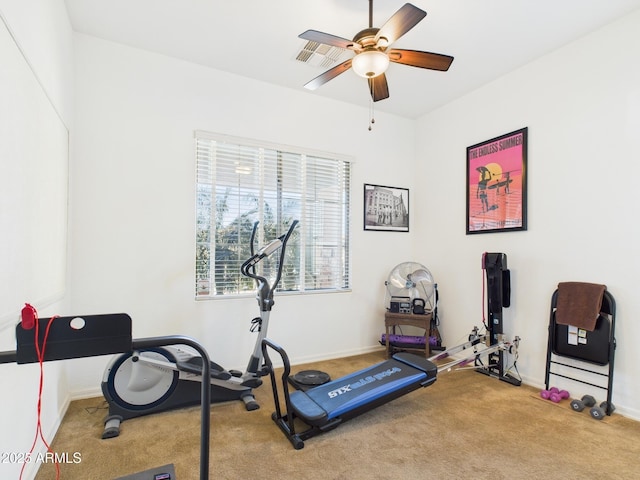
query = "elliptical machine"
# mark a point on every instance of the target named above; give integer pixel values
(152, 380)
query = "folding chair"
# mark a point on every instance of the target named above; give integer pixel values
(587, 345)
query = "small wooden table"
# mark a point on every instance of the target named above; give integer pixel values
(391, 320)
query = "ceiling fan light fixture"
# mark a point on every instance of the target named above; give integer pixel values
(370, 63)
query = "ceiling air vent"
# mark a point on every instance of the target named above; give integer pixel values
(320, 55)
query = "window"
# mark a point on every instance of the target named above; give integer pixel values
(239, 182)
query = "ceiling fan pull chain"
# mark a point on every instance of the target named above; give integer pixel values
(373, 120)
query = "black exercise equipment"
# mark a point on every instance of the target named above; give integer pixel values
(492, 344)
(325, 407)
(149, 380)
(307, 379)
(95, 335)
(498, 278)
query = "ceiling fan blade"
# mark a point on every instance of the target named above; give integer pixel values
(378, 87)
(326, 38)
(415, 58)
(400, 23)
(328, 75)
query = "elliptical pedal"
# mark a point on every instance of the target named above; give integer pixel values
(252, 383)
(194, 365)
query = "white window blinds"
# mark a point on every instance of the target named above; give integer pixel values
(241, 181)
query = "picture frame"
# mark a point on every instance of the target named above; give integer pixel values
(386, 208)
(497, 184)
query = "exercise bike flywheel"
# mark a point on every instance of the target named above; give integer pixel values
(137, 384)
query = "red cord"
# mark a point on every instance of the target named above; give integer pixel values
(40, 354)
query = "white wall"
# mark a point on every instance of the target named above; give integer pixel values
(582, 106)
(43, 32)
(133, 195)
(132, 200)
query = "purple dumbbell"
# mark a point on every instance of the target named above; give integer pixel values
(546, 394)
(557, 396)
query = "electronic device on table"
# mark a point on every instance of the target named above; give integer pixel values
(411, 289)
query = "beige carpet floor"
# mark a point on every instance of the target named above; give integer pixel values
(465, 425)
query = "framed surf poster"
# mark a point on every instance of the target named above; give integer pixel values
(497, 184)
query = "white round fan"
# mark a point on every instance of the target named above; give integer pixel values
(412, 280)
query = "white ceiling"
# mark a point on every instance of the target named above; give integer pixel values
(259, 38)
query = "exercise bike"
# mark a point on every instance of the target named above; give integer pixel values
(152, 380)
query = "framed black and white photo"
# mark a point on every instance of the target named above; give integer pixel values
(386, 208)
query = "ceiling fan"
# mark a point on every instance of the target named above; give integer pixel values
(373, 52)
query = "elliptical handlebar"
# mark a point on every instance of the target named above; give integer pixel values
(248, 268)
(283, 239)
(265, 291)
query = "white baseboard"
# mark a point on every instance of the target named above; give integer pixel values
(334, 355)
(629, 413)
(86, 393)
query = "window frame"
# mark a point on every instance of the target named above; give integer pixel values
(343, 200)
